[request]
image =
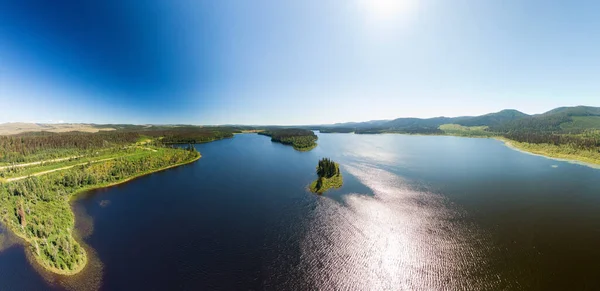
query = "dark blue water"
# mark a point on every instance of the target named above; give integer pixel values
(415, 213)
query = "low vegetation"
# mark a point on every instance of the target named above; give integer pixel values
(469, 131)
(300, 139)
(329, 176)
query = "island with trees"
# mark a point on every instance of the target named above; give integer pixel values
(329, 176)
(41, 172)
(300, 139)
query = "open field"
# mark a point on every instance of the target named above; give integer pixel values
(456, 129)
(20, 127)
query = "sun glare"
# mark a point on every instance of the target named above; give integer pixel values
(388, 12)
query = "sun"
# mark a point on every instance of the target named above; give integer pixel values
(388, 11)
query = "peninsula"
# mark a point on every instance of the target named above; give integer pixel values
(329, 176)
(301, 139)
(41, 172)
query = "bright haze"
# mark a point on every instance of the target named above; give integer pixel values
(293, 62)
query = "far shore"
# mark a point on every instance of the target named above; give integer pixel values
(569, 158)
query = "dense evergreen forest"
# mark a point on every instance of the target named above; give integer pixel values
(327, 168)
(300, 139)
(192, 134)
(31, 147)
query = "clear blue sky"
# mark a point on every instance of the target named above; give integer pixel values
(293, 62)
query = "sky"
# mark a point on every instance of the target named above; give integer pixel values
(292, 62)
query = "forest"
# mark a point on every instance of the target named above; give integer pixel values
(327, 168)
(189, 134)
(335, 129)
(28, 147)
(300, 139)
(37, 146)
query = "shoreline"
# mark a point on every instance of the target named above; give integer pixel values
(72, 198)
(572, 160)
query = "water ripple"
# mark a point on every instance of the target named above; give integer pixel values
(399, 239)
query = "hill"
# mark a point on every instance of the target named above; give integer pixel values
(494, 119)
(560, 120)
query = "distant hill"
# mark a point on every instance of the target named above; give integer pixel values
(414, 124)
(575, 111)
(402, 123)
(562, 119)
(494, 119)
(360, 125)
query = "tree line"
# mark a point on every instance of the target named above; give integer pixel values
(192, 134)
(582, 141)
(31, 146)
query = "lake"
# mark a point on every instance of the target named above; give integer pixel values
(415, 213)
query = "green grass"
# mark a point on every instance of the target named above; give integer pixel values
(459, 130)
(581, 123)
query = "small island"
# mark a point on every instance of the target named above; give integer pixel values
(329, 176)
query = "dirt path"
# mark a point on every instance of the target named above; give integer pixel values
(38, 163)
(54, 170)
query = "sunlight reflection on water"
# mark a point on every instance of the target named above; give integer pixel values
(399, 239)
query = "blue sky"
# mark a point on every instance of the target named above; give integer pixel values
(293, 62)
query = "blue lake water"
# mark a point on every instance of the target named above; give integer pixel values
(415, 213)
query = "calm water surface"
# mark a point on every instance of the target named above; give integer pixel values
(415, 213)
